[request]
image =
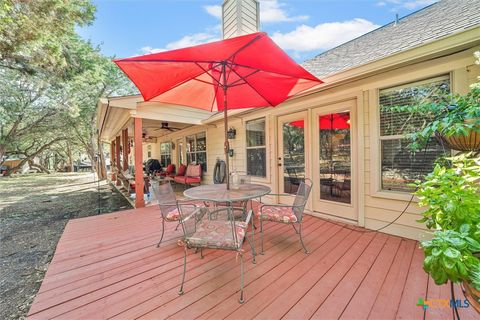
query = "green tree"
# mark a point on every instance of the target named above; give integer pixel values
(37, 35)
(50, 81)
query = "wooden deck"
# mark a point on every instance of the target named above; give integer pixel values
(109, 267)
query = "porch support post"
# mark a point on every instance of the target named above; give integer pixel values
(139, 201)
(117, 156)
(125, 148)
(112, 160)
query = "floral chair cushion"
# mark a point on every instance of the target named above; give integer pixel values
(277, 214)
(173, 215)
(216, 234)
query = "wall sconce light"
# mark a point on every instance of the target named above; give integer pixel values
(173, 146)
(231, 133)
(230, 153)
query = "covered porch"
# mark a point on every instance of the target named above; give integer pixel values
(108, 266)
(133, 129)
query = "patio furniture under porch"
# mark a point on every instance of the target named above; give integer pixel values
(108, 266)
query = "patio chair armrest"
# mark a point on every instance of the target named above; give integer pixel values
(249, 216)
(281, 194)
(281, 205)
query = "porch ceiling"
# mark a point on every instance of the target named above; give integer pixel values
(115, 113)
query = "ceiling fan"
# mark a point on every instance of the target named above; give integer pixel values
(166, 127)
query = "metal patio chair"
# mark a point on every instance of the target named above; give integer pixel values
(241, 206)
(167, 203)
(288, 214)
(213, 228)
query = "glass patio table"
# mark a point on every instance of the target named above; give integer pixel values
(219, 192)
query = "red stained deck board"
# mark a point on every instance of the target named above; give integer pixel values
(222, 302)
(415, 288)
(108, 266)
(339, 298)
(226, 277)
(388, 299)
(312, 299)
(263, 299)
(366, 294)
(114, 291)
(289, 298)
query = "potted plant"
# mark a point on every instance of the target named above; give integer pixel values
(451, 194)
(453, 118)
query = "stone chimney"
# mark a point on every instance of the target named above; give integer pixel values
(240, 17)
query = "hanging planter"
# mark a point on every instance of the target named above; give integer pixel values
(460, 142)
(473, 295)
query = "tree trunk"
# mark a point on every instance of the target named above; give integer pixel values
(38, 166)
(33, 155)
(102, 167)
(2, 152)
(70, 157)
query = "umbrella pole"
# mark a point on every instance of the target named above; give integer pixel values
(226, 145)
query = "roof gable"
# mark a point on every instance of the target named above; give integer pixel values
(432, 23)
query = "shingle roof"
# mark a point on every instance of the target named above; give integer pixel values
(436, 21)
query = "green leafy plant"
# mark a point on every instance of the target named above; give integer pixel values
(450, 256)
(451, 194)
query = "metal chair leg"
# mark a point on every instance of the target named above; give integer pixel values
(241, 300)
(253, 241)
(178, 225)
(163, 231)
(296, 231)
(261, 235)
(184, 270)
(252, 246)
(201, 253)
(301, 240)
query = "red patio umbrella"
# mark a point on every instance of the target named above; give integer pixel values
(328, 122)
(244, 72)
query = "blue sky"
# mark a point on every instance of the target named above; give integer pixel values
(304, 28)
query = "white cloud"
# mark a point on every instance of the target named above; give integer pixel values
(186, 41)
(215, 11)
(271, 11)
(323, 36)
(406, 4)
(148, 49)
(418, 3)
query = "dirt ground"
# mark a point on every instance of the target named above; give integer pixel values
(34, 210)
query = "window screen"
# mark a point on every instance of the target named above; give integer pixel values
(401, 166)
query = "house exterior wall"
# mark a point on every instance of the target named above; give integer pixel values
(153, 148)
(375, 208)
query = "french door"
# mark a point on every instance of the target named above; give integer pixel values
(292, 153)
(335, 160)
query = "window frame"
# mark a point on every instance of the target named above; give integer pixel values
(162, 154)
(376, 138)
(194, 135)
(259, 178)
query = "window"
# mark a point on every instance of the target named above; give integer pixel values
(149, 151)
(197, 149)
(256, 148)
(401, 166)
(180, 158)
(165, 153)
